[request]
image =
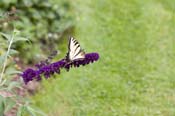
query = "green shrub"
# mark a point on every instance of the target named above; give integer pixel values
(12, 102)
(42, 21)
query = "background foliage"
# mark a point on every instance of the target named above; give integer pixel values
(13, 101)
(42, 21)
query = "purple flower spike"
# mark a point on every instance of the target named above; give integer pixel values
(50, 69)
(47, 71)
(29, 75)
(89, 58)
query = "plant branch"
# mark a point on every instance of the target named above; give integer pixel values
(6, 56)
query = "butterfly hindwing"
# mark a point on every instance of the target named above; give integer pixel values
(75, 52)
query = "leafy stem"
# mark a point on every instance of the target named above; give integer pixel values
(6, 56)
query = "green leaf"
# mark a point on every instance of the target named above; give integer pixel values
(8, 37)
(2, 105)
(14, 84)
(12, 52)
(16, 39)
(35, 111)
(9, 103)
(14, 72)
(30, 111)
(11, 71)
(20, 110)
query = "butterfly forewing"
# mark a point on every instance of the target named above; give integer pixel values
(75, 52)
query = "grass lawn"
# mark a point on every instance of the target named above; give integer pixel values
(135, 75)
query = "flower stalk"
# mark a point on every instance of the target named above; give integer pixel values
(55, 68)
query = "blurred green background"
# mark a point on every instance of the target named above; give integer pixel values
(135, 73)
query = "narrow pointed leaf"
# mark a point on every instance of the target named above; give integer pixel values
(9, 103)
(36, 111)
(30, 111)
(12, 52)
(20, 110)
(14, 84)
(2, 105)
(16, 39)
(8, 37)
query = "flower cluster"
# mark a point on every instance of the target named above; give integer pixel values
(50, 69)
(89, 58)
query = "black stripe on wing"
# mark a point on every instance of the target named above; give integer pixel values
(74, 42)
(78, 53)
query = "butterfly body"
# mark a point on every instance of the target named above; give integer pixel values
(74, 51)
